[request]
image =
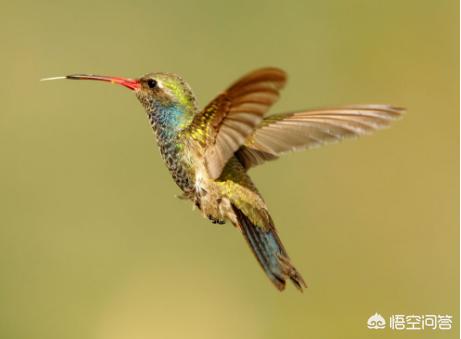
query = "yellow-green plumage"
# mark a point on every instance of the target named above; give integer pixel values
(235, 184)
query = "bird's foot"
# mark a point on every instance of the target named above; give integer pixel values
(216, 220)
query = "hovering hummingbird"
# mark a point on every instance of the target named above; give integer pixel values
(209, 152)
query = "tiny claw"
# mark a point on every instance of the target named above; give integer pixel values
(181, 196)
(216, 220)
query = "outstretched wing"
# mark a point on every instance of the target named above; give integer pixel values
(224, 125)
(281, 133)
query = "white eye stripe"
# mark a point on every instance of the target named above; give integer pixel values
(165, 89)
(168, 91)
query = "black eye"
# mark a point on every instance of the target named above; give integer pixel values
(152, 83)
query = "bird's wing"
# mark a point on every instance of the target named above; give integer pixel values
(281, 133)
(227, 121)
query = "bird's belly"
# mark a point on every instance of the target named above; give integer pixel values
(212, 201)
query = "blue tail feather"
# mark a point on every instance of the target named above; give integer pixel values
(269, 252)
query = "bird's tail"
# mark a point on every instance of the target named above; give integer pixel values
(269, 252)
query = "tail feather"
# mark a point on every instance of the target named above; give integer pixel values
(270, 253)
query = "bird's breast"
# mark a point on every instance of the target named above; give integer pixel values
(178, 163)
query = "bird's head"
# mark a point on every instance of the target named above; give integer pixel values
(164, 90)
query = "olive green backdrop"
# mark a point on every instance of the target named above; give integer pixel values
(93, 243)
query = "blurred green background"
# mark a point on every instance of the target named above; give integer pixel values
(93, 243)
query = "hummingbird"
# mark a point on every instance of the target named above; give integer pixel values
(209, 151)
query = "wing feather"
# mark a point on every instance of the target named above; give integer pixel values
(282, 133)
(228, 120)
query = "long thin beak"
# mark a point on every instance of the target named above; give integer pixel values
(132, 84)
